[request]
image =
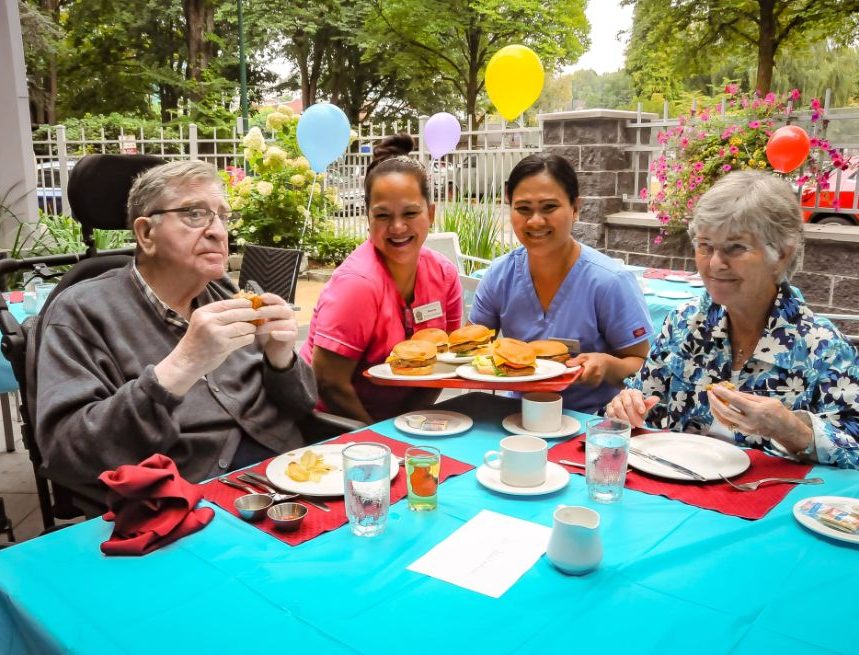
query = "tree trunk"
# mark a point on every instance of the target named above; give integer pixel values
(199, 19)
(766, 45)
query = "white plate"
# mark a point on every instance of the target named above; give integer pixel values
(569, 425)
(456, 423)
(545, 369)
(696, 282)
(556, 478)
(675, 295)
(677, 278)
(331, 484)
(816, 526)
(453, 358)
(440, 372)
(705, 455)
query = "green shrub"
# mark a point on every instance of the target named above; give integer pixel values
(329, 248)
(479, 231)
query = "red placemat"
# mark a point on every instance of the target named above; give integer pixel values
(316, 522)
(13, 296)
(660, 273)
(717, 496)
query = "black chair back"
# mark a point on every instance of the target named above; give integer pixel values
(274, 269)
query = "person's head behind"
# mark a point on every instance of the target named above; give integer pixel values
(176, 212)
(758, 205)
(557, 167)
(400, 212)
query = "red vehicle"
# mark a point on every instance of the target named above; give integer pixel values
(825, 210)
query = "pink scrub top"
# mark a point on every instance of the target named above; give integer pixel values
(361, 315)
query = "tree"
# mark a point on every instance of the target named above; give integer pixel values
(445, 45)
(667, 33)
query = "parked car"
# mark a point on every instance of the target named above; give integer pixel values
(49, 193)
(350, 189)
(469, 175)
(822, 210)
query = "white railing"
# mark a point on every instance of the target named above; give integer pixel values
(839, 125)
(474, 174)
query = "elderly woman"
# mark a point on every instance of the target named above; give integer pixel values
(158, 357)
(795, 375)
(384, 292)
(554, 286)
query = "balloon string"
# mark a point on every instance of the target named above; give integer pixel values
(306, 215)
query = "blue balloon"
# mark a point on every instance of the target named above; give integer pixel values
(323, 135)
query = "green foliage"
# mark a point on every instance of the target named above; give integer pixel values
(328, 248)
(57, 234)
(282, 203)
(479, 231)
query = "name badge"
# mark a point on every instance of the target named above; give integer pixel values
(424, 313)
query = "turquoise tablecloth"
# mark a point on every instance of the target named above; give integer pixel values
(674, 579)
(7, 379)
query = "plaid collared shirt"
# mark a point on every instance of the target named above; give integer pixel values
(166, 314)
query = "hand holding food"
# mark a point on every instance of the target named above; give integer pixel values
(256, 303)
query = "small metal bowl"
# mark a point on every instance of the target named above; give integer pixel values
(287, 516)
(252, 507)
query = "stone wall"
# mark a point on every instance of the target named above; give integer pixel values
(597, 141)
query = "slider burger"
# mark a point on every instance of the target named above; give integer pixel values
(551, 350)
(723, 383)
(256, 303)
(471, 340)
(413, 357)
(510, 357)
(433, 335)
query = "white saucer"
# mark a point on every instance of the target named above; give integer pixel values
(696, 282)
(816, 526)
(556, 478)
(569, 425)
(675, 295)
(456, 423)
(677, 278)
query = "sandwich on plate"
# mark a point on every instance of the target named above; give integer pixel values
(433, 335)
(551, 350)
(412, 358)
(471, 340)
(508, 358)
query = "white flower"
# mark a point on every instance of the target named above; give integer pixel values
(274, 156)
(844, 390)
(678, 402)
(793, 384)
(254, 140)
(353, 135)
(297, 181)
(769, 346)
(252, 229)
(305, 212)
(815, 336)
(275, 120)
(237, 203)
(302, 164)
(286, 110)
(241, 241)
(277, 238)
(264, 188)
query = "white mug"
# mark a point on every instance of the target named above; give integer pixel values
(542, 412)
(521, 460)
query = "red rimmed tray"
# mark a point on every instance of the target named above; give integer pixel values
(552, 384)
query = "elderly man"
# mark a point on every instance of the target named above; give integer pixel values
(158, 357)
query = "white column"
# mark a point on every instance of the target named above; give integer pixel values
(17, 163)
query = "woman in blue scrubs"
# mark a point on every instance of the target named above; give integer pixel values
(554, 286)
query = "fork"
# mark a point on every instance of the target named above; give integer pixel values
(751, 486)
(257, 480)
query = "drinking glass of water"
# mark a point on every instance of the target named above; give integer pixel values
(606, 451)
(367, 483)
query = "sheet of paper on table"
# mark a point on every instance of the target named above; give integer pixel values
(488, 554)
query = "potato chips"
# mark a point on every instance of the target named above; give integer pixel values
(310, 466)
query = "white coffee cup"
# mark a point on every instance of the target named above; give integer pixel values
(521, 460)
(541, 412)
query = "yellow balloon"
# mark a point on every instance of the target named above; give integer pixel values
(514, 80)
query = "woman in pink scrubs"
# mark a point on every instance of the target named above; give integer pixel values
(386, 290)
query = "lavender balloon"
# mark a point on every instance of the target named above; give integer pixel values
(441, 134)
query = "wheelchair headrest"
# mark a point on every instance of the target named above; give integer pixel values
(99, 186)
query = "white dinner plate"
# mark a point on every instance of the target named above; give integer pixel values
(456, 423)
(676, 278)
(453, 358)
(440, 372)
(545, 369)
(695, 282)
(816, 526)
(556, 478)
(705, 455)
(569, 425)
(330, 484)
(675, 295)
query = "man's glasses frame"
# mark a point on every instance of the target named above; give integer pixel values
(198, 217)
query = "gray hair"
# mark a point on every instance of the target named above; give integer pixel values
(151, 186)
(755, 202)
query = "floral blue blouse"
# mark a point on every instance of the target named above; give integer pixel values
(801, 358)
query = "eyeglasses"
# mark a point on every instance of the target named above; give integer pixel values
(730, 250)
(198, 217)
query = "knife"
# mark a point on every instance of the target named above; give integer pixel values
(668, 463)
(318, 504)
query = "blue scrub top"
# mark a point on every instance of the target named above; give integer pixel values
(599, 303)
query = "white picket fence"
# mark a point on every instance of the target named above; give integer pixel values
(473, 174)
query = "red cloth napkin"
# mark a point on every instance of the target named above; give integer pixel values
(316, 521)
(717, 496)
(151, 506)
(14, 296)
(660, 273)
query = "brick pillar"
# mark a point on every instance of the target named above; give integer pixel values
(594, 141)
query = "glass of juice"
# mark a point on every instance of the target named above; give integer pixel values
(423, 464)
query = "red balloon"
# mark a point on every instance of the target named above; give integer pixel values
(787, 148)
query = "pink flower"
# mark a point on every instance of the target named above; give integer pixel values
(734, 150)
(815, 103)
(698, 165)
(769, 98)
(726, 167)
(721, 152)
(754, 125)
(732, 88)
(643, 194)
(704, 115)
(657, 239)
(794, 94)
(662, 138)
(684, 142)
